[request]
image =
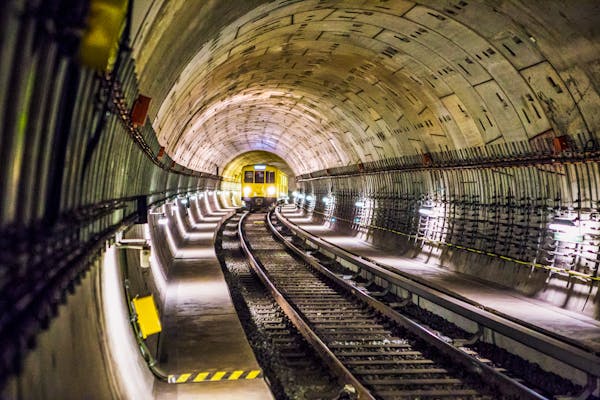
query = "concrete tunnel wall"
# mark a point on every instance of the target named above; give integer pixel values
(498, 231)
(88, 351)
(484, 111)
(450, 105)
(76, 171)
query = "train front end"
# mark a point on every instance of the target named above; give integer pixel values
(262, 186)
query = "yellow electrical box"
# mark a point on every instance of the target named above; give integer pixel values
(147, 315)
(100, 40)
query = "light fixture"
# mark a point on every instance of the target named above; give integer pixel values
(295, 194)
(563, 225)
(260, 167)
(359, 204)
(566, 230)
(271, 190)
(327, 200)
(247, 191)
(309, 198)
(163, 220)
(300, 196)
(184, 201)
(427, 211)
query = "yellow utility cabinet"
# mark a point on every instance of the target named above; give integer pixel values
(147, 315)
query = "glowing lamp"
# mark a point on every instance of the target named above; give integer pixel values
(247, 191)
(359, 204)
(163, 221)
(427, 211)
(566, 230)
(309, 198)
(271, 190)
(563, 225)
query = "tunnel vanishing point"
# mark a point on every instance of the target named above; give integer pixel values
(482, 113)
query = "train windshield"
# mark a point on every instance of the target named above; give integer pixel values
(248, 177)
(270, 176)
(259, 176)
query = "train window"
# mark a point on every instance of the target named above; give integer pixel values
(270, 176)
(259, 176)
(248, 177)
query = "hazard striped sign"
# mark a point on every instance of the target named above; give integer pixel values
(212, 376)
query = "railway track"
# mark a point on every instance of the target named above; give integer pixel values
(293, 369)
(380, 354)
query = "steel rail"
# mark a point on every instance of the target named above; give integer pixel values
(508, 386)
(565, 352)
(311, 337)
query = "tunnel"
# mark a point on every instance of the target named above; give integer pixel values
(458, 134)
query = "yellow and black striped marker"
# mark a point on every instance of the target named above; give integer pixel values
(214, 376)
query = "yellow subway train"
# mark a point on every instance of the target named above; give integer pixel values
(262, 186)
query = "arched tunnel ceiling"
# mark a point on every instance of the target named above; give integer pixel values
(330, 83)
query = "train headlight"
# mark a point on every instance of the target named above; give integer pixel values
(247, 191)
(271, 190)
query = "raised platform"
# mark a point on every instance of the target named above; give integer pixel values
(203, 346)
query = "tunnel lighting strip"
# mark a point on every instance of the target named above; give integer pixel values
(551, 269)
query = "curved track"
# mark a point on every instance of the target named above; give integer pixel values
(381, 359)
(290, 365)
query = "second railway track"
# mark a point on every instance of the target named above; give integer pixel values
(378, 356)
